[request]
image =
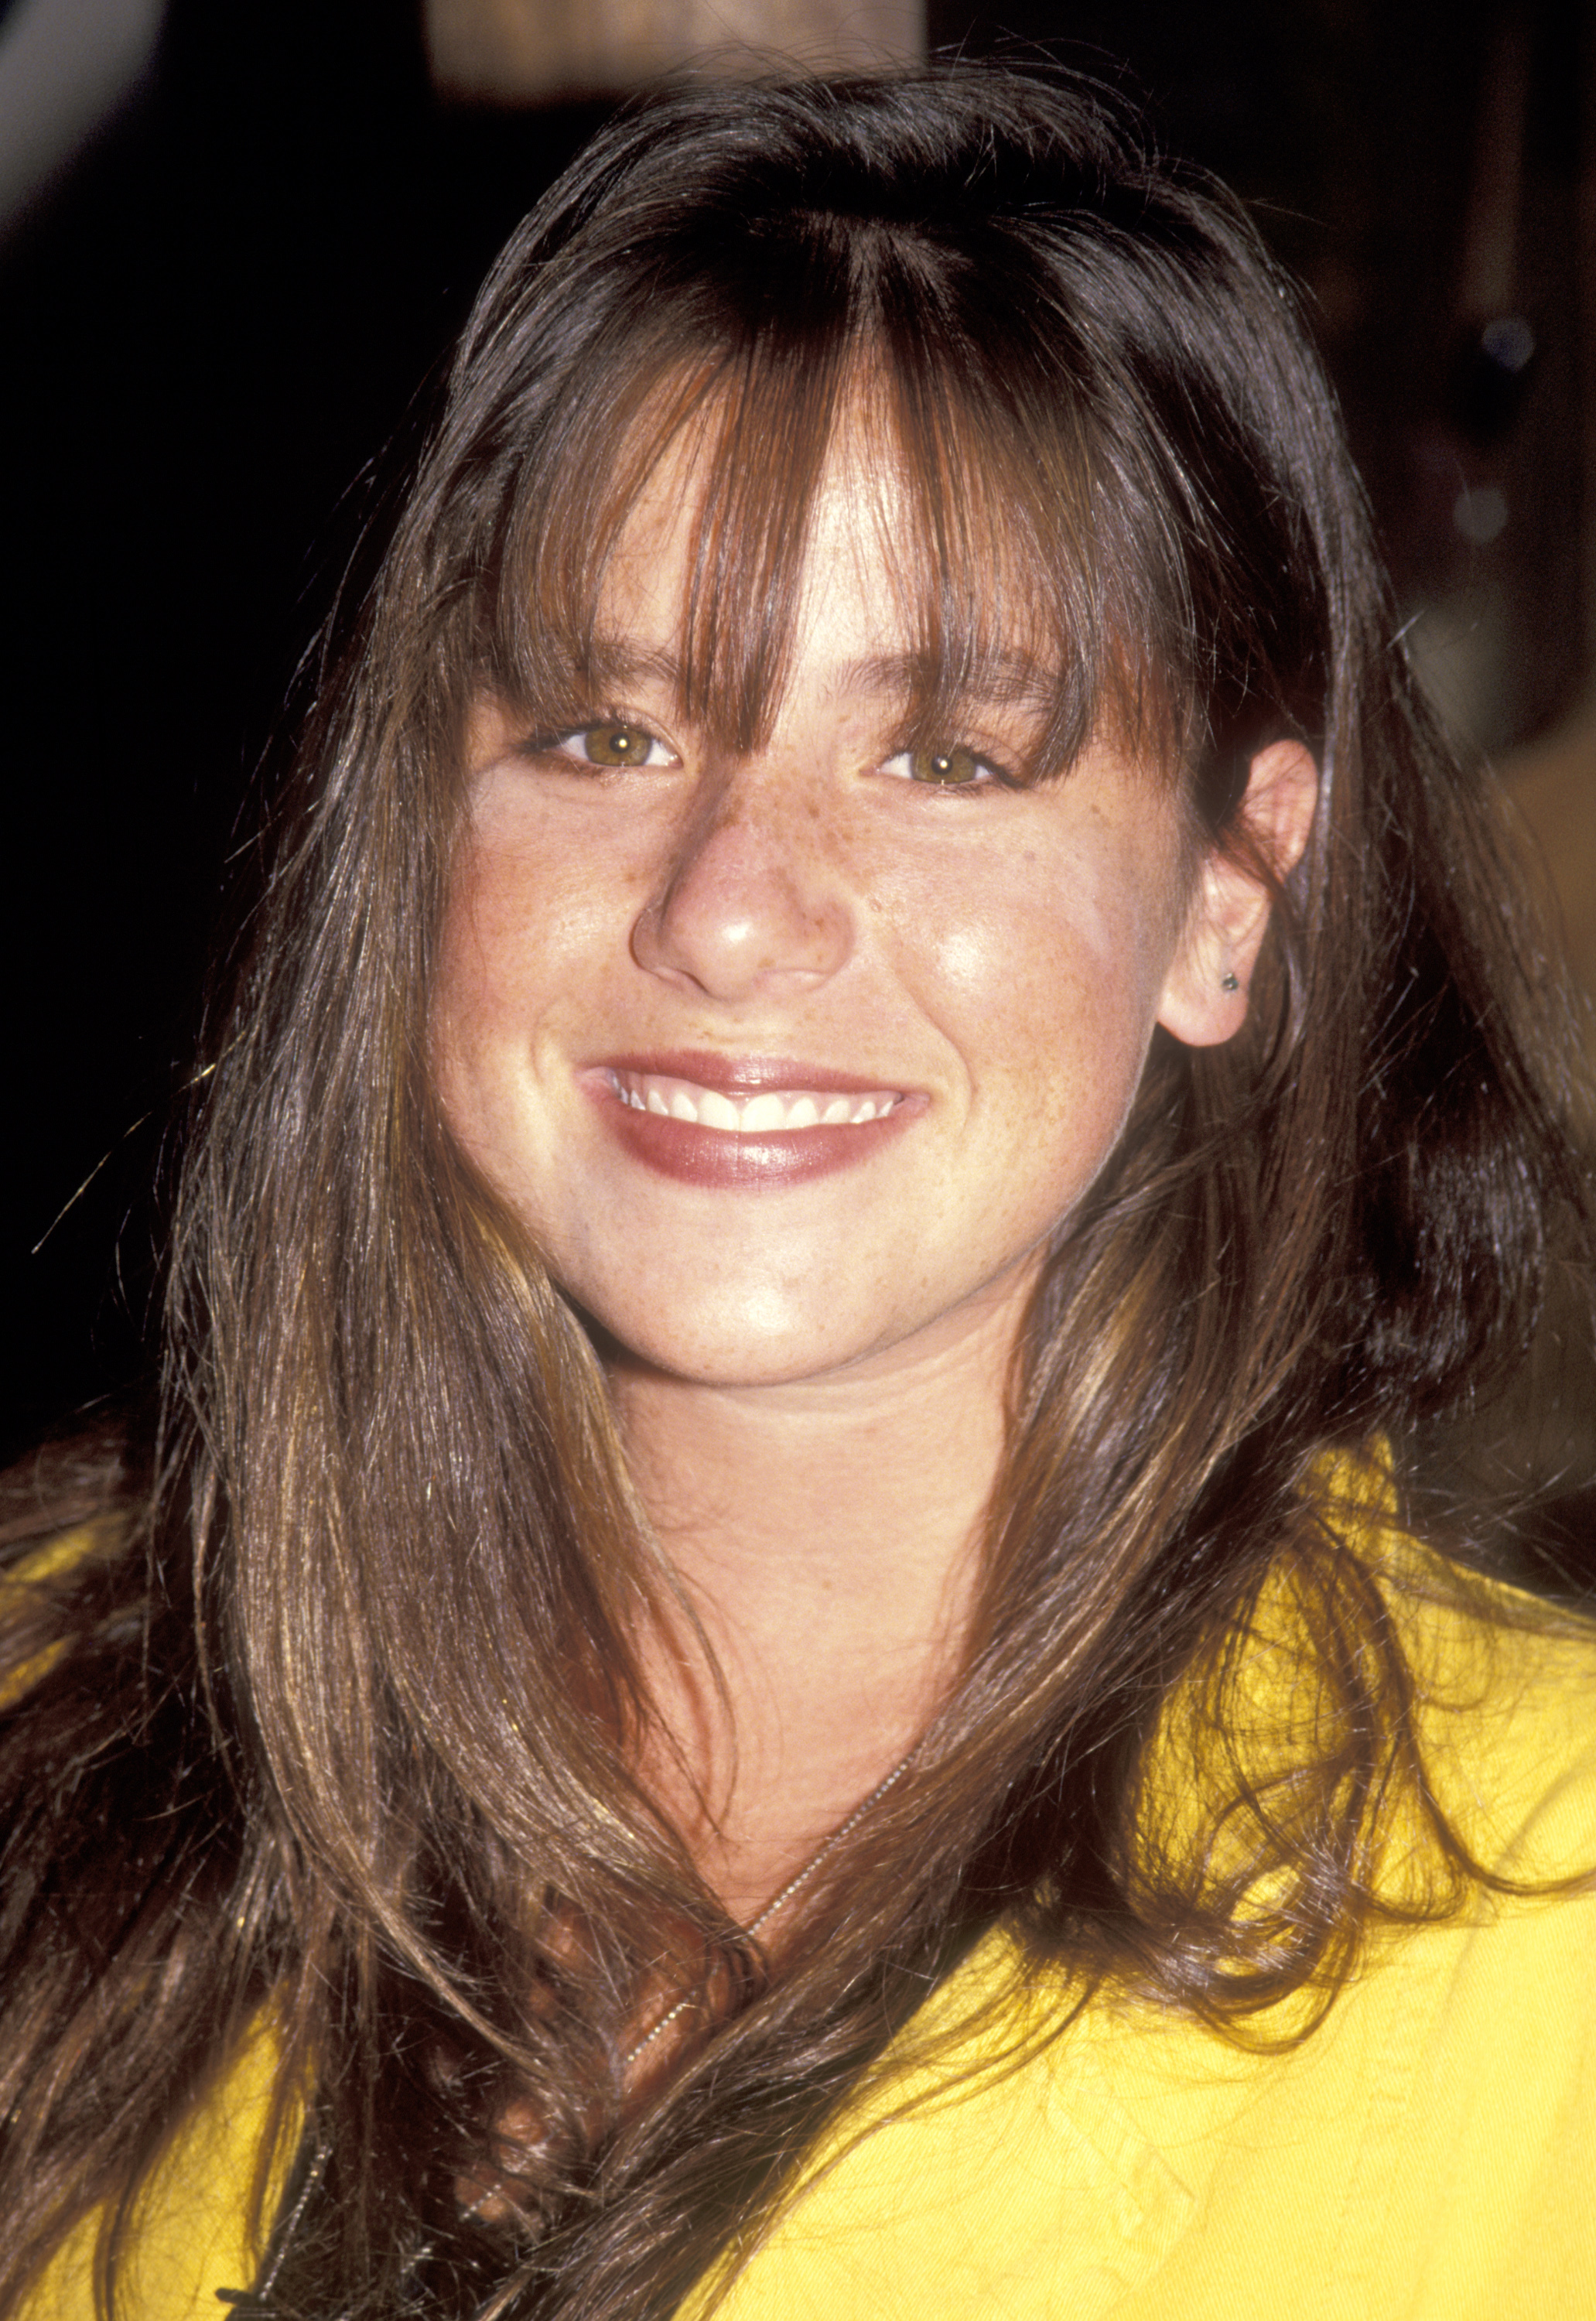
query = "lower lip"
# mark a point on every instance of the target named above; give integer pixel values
(756, 1163)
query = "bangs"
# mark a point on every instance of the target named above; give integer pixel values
(1002, 549)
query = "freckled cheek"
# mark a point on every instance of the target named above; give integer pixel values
(470, 962)
(1061, 1007)
(1027, 968)
(493, 977)
(518, 929)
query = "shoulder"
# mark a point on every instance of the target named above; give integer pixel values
(1501, 1686)
(1106, 2155)
(1411, 2155)
(1373, 1654)
(1506, 1703)
(1408, 2162)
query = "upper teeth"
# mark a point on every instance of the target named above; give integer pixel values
(771, 1109)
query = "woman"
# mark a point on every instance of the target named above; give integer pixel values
(765, 1663)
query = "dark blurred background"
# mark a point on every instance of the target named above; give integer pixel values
(234, 242)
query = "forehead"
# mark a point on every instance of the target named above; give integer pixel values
(719, 505)
(859, 569)
(846, 573)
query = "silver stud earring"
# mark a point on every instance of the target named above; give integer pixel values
(1229, 982)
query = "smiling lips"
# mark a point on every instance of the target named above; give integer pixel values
(765, 1125)
(770, 1110)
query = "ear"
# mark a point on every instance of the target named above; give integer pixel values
(1204, 1001)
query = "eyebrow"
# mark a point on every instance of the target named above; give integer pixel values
(613, 662)
(1005, 679)
(999, 680)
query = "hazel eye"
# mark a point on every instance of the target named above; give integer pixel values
(957, 768)
(613, 743)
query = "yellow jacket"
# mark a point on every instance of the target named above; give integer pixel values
(1428, 2155)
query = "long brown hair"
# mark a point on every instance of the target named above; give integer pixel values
(345, 1729)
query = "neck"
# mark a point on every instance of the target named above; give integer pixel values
(826, 1534)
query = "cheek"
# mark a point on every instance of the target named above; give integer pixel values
(491, 967)
(467, 972)
(539, 894)
(1051, 996)
(503, 931)
(1062, 992)
(462, 986)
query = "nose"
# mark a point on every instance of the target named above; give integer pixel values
(749, 904)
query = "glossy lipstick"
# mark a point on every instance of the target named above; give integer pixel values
(745, 1123)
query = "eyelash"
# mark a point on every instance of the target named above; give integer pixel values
(999, 780)
(957, 784)
(559, 744)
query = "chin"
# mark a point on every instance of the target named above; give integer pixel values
(776, 1347)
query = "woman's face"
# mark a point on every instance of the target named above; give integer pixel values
(794, 1059)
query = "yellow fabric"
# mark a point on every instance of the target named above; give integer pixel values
(1426, 2155)
(192, 2238)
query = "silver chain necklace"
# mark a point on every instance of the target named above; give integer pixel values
(780, 1901)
